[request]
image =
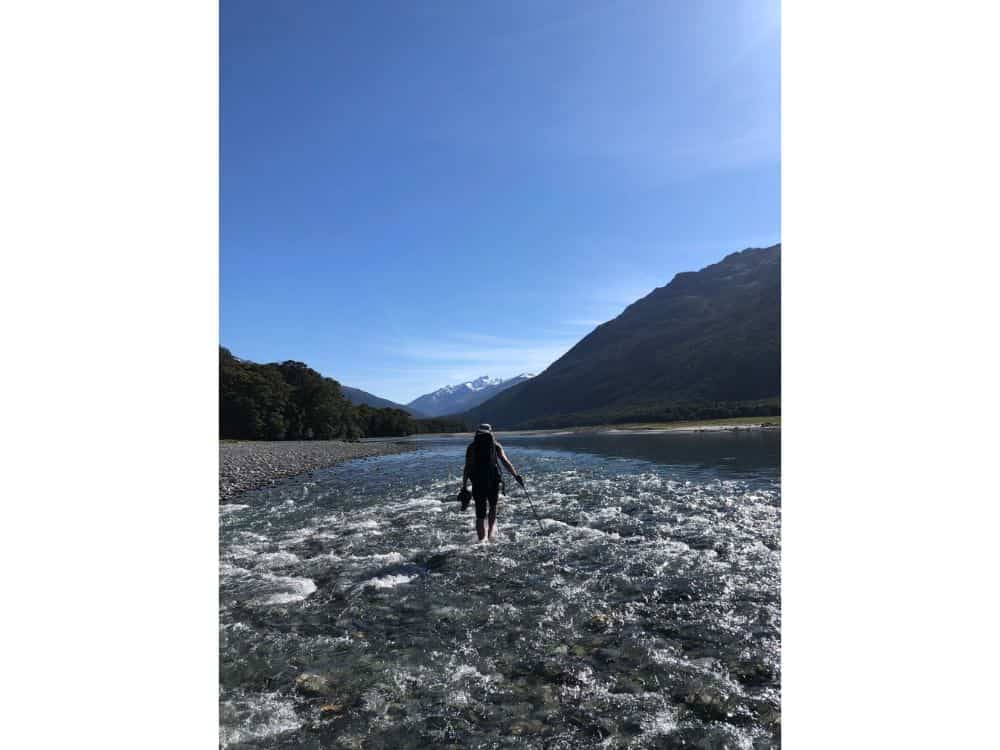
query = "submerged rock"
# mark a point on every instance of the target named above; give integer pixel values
(696, 738)
(632, 724)
(599, 623)
(607, 655)
(310, 683)
(600, 727)
(530, 726)
(755, 674)
(629, 686)
(708, 703)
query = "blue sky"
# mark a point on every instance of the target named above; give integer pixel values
(415, 194)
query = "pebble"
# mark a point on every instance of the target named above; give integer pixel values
(247, 465)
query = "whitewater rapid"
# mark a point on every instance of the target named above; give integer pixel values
(358, 611)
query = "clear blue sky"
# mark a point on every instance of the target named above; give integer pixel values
(414, 194)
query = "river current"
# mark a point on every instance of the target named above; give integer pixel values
(358, 611)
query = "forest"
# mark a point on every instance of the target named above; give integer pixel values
(291, 401)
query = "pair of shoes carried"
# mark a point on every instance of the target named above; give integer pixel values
(464, 497)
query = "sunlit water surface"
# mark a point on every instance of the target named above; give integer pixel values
(644, 613)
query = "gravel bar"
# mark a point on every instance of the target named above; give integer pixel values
(248, 465)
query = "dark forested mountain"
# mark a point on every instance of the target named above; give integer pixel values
(453, 399)
(291, 401)
(357, 397)
(706, 344)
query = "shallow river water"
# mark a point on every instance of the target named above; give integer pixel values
(357, 611)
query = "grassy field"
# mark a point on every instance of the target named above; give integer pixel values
(694, 424)
(716, 424)
(701, 424)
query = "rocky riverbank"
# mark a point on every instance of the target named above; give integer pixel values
(248, 465)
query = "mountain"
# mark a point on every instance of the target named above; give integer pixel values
(706, 344)
(453, 399)
(357, 397)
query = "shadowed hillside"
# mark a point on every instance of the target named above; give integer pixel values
(358, 397)
(706, 344)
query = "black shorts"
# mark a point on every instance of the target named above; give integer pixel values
(493, 495)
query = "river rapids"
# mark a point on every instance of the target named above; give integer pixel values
(358, 611)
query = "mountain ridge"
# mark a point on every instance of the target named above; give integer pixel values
(711, 335)
(358, 397)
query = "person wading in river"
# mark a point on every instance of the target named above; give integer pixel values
(482, 465)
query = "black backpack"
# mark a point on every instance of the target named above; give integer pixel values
(485, 465)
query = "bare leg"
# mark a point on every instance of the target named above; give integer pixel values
(481, 528)
(493, 522)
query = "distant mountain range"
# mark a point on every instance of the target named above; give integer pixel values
(357, 397)
(706, 344)
(453, 399)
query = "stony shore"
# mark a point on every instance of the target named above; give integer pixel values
(248, 465)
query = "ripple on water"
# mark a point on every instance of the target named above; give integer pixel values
(389, 582)
(257, 588)
(286, 590)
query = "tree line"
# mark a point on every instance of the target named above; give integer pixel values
(664, 412)
(291, 401)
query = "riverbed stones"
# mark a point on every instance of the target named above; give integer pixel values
(247, 465)
(314, 684)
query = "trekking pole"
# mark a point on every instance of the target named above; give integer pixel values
(521, 482)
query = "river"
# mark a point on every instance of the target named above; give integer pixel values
(357, 610)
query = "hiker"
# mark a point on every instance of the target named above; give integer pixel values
(482, 465)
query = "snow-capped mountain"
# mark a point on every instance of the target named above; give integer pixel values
(456, 398)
